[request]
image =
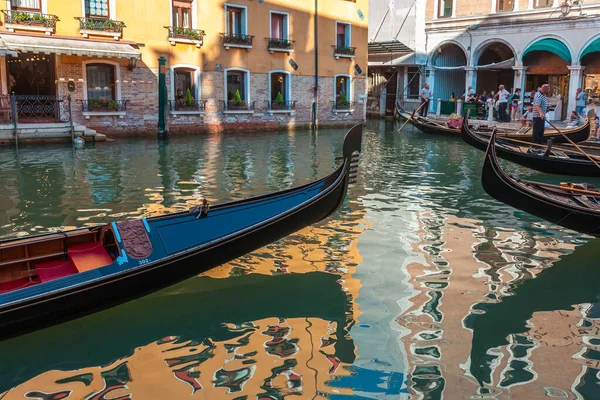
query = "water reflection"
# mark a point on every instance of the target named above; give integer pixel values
(421, 286)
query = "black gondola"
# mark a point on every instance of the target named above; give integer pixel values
(578, 134)
(48, 278)
(573, 208)
(550, 161)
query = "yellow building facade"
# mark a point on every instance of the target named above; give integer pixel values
(239, 65)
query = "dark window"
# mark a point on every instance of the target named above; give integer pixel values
(100, 81)
(544, 3)
(182, 13)
(279, 84)
(445, 8)
(96, 8)
(236, 80)
(184, 81)
(235, 21)
(278, 26)
(343, 35)
(414, 80)
(505, 5)
(342, 89)
(35, 5)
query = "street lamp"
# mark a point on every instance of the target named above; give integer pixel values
(565, 8)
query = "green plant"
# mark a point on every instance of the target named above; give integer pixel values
(238, 98)
(343, 99)
(279, 99)
(112, 105)
(189, 99)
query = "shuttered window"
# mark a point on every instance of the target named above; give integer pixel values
(26, 4)
(182, 13)
(100, 81)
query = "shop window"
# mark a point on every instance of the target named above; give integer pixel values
(184, 81)
(343, 93)
(279, 86)
(544, 3)
(101, 82)
(279, 26)
(96, 8)
(236, 20)
(505, 5)
(182, 14)
(343, 34)
(445, 8)
(237, 81)
(32, 5)
(414, 80)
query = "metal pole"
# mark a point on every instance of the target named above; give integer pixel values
(71, 119)
(316, 92)
(13, 110)
(162, 96)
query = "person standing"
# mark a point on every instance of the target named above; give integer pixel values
(580, 98)
(502, 103)
(513, 102)
(425, 96)
(540, 108)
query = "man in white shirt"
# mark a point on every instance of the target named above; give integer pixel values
(502, 102)
(425, 96)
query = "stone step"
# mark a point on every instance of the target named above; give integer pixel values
(99, 137)
(90, 132)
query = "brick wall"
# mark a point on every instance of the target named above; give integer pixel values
(140, 88)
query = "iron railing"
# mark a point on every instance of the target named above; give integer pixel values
(101, 105)
(42, 108)
(30, 18)
(342, 105)
(99, 24)
(237, 39)
(176, 32)
(281, 105)
(232, 105)
(280, 44)
(344, 51)
(183, 105)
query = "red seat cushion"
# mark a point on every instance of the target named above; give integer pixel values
(55, 269)
(87, 256)
(16, 285)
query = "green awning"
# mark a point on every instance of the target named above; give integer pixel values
(553, 46)
(593, 47)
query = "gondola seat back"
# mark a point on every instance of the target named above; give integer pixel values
(88, 256)
(55, 269)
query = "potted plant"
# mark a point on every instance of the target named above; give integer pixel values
(343, 103)
(109, 25)
(237, 100)
(278, 103)
(189, 99)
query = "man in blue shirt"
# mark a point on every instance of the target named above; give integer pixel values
(540, 108)
(580, 101)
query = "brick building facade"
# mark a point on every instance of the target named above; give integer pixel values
(266, 52)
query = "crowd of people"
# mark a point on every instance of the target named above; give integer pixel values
(508, 106)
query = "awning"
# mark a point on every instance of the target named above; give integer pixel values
(407, 59)
(551, 45)
(506, 64)
(38, 44)
(593, 47)
(390, 46)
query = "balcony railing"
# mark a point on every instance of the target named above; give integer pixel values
(281, 105)
(239, 40)
(232, 105)
(177, 33)
(102, 105)
(280, 45)
(184, 105)
(344, 51)
(101, 25)
(342, 105)
(29, 18)
(42, 108)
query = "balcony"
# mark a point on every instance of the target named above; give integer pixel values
(282, 45)
(185, 35)
(100, 27)
(238, 107)
(29, 21)
(342, 107)
(235, 40)
(344, 52)
(281, 107)
(102, 107)
(185, 107)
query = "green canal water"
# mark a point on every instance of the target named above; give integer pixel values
(421, 286)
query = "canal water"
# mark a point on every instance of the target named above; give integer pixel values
(421, 286)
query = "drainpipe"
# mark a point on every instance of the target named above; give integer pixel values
(316, 91)
(162, 96)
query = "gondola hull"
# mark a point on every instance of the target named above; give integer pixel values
(19, 314)
(579, 166)
(510, 191)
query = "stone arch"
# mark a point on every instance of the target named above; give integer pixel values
(446, 44)
(499, 46)
(560, 38)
